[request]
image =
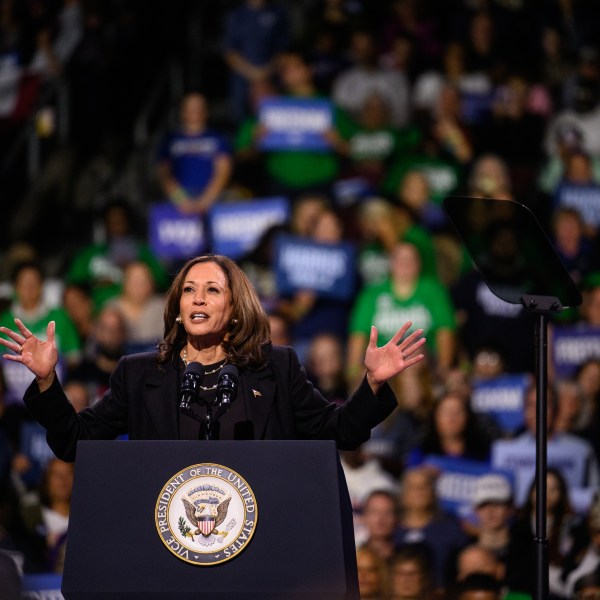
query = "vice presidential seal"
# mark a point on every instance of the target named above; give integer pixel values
(206, 514)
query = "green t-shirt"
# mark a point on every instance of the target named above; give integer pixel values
(381, 144)
(429, 308)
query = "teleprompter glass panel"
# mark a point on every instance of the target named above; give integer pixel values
(511, 250)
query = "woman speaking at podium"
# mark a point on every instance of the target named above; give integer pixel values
(213, 319)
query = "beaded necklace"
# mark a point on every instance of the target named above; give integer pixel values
(184, 357)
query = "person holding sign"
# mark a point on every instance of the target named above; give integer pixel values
(298, 132)
(212, 318)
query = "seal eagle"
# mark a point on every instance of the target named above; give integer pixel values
(193, 514)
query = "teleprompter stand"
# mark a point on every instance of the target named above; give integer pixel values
(302, 547)
(519, 264)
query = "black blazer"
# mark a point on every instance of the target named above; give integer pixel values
(143, 402)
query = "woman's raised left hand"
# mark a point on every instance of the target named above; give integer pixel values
(385, 362)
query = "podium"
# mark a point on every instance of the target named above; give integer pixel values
(299, 543)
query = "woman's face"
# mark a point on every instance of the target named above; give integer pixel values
(205, 304)
(78, 304)
(328, 229)
(415, 190)
(194, 112)
(369, 581)
(326, 358)
(405, 263)
(407, 579)
(138, 283)
(451, 416)
(417, 490)
(29, 287)
(60, 480)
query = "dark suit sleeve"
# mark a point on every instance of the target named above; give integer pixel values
(349, 424)
(64, 427)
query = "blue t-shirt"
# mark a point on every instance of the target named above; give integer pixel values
(192, 157)
(257, 34)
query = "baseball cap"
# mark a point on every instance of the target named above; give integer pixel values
(492, 487)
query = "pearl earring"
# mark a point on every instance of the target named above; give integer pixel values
(178, 319)
(234, 321)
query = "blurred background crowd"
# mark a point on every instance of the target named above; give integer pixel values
(109, 108)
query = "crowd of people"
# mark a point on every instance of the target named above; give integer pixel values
(492, 99)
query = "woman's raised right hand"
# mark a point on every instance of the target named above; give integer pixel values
(40, 357)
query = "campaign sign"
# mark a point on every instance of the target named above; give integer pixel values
(567, 453)
(174, 235)
(327, 269)
(455, 486)
(502, 398)
(295, 123)
(42, 586)
(236, 228)
(572, 346)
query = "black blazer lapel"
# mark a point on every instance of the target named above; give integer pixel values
(160, 399)
(258, 389)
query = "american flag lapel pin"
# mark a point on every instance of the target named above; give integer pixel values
(256, 393)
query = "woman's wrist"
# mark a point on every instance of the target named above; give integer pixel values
(374, 385)
(45, 383)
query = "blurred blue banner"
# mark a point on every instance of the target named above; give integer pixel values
(327, 269)
(295, 123)
(174, 235)
(237, 227)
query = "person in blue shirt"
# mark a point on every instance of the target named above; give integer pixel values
(256, 33)
(194, 162)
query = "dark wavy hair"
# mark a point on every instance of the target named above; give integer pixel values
(249, 330)
(477, 443)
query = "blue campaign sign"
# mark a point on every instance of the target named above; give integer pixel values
(327, 269)
(237, 227)
(42, 586)
(455, 485)
(502, 398)
(295, 123)
(174, 235)
(572, 346)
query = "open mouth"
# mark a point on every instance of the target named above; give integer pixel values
(198, 317)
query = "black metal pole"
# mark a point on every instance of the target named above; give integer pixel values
(540, 539)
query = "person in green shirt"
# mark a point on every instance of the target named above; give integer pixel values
(374, 143)
(29, 305)
(406, 295)
(382, 226)
(100, 264)
(295, 171)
